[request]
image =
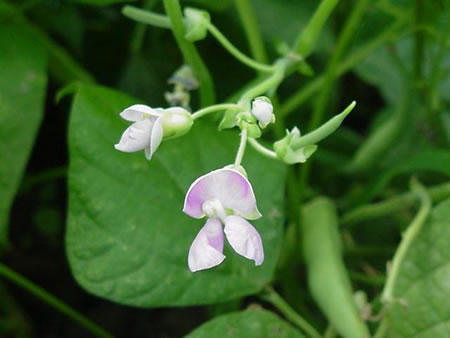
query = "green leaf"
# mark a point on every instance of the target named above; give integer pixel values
(22, 91)
(127, 237)
(249, 324)
(423, 287)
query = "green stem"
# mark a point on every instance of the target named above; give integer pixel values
(137, 38)
(190, 53)
(254, 37)
(410, 234)
(262, 150)
(268, 83)
(419, 46)
(350, 62)
(393, 205)
(330, 76)
(52, 301)
(276, 300)
(308, 38)
(237, 53)
(214, 108)
(146, 17)
(332, 67)
(382, 328)
(241, 149)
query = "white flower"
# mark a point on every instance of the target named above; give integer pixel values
(262, 109)
(149, 127)
(224, 196)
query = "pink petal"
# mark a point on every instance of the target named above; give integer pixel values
(229, 186)
(244, 238)
(137, 112)
(136, 137)
(206, 249)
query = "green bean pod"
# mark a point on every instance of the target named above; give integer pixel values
(327, 277)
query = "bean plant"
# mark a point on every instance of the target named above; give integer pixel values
(225, 168)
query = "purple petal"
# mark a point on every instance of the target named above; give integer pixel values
(137, 112)
(228, 186)
(244, 238)
(136, 137)
(206, 249)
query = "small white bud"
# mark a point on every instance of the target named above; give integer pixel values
(262, 109)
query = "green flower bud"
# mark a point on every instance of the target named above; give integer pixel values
(196, 24)
(285, 151)
(248, 121)
(176, 122)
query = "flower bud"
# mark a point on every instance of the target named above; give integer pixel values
(262, 109)
(248, 122)
(176, 122)
(238, 168)
(196, 24)
(285, 152)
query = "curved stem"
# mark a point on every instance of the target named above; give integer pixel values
(269, 83)
(237, 53)
(276, 300)
(262, 150)
(241, 149)
(351, 61)
(308, 38)
(137, 37)
(214, 108)
(190, 53)
(52, 301)
(254, 37)
(146, 17)
(385, 208)
(409, 236)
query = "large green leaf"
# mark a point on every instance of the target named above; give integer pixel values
(22, 92)
(248, 324)
(423, 284)
(127, 238)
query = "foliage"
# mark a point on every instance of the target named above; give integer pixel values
(344, 189)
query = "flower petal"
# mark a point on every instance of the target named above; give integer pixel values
(155, 139)
(137, 112)
(229, 186)
(136, 137)
(244, 238)
(206, 249)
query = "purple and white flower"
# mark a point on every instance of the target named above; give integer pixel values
(226, 198)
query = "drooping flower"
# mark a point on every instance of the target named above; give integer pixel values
(262, 109)
(225, 197)
(150, 126)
